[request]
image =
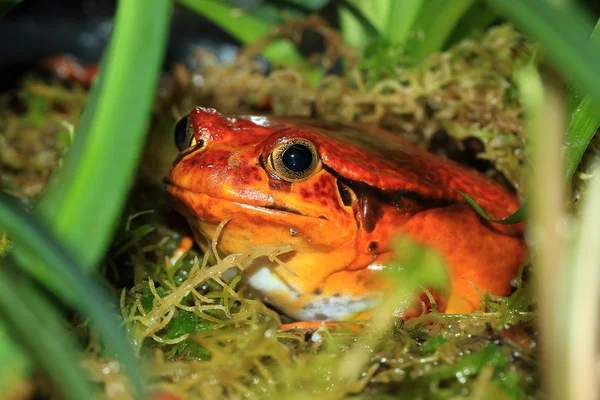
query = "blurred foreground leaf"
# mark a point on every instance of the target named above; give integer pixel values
(416, 266)
(86, 196)
(14, 364)
(38, 327)
(33, 242)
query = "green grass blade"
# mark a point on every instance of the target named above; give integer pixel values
(573, 96)
(37, 327)
(583, 126)
(33, 243)
(585, 120)
(473, 23)
(103, 159)
(357, 29)
(576, 329)
(434, 24)
(518, 216)
(309, 5)
(246, 28)
(14, 363)
(401, 19)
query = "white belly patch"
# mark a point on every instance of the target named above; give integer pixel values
(318, 308)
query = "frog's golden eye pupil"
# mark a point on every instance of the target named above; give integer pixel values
(295, 160)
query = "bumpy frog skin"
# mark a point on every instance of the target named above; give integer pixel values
(349, 192)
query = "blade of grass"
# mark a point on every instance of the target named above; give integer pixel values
(545, 128)
(373, 15)
(14, 364)
(38, 328)
(583, 126)
(518, 216)
(578, 304)
(246, 28)
(401, 18)
(473, 23)
(585, 120)
(573, 96)
(357, 29)
(308, 5)
(85, 198)
(433, 26)
(33, 242)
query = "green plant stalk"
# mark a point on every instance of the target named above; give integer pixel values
(545, 128)
(38, 328)
(246, 28)
(573, 96)
(585, 120)
(376, 12)
(472, 23)
(518, 216)
(33, 242)
(85, 198)
(356, 29)
(14, 363)
(581, 130)
(577, 304)
(434, 25)
(400, 19)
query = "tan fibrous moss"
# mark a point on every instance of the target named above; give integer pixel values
(467, 91)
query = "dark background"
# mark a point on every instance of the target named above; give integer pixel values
(36, 29)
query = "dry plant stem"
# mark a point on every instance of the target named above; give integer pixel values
(546, 127)
(581, 276)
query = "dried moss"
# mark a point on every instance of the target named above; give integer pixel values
(467, 91)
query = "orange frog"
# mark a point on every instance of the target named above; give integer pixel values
(339, 193)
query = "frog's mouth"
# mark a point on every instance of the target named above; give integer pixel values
(187, 196)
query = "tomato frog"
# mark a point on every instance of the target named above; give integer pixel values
(340, 194)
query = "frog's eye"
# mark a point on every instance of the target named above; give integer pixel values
(184, 134)
(295, 160)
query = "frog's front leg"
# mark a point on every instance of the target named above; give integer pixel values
(346, 300)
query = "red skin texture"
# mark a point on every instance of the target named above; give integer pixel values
(405, 191)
